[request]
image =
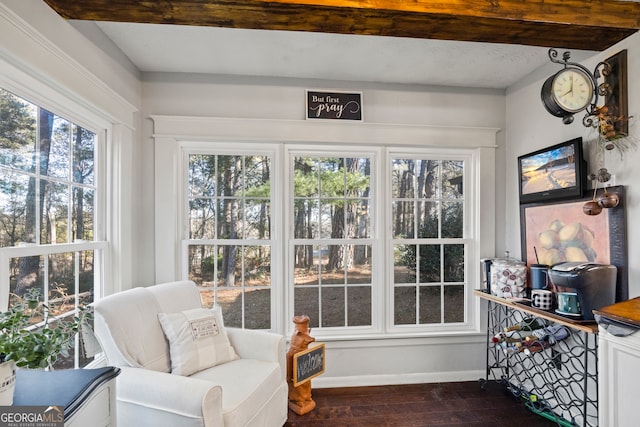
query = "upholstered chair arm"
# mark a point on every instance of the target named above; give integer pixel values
(259, 345)
(151, 398)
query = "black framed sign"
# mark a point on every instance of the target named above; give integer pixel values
(308, 364)
(334, 105)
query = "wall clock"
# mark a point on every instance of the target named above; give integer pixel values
(567, 92)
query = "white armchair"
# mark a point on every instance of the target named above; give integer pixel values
(250, 391)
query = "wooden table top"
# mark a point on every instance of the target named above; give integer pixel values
(585, 326)
(625, 311)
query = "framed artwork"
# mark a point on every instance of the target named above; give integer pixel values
(555, 232)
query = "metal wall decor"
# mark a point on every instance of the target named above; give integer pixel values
(575, 88)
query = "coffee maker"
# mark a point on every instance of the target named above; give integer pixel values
(594, 284)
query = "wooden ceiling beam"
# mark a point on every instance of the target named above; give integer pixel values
(569, 24)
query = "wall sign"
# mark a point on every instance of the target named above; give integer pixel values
(334, 105)
(308, 364)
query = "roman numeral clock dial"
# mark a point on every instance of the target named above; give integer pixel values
(567, 92)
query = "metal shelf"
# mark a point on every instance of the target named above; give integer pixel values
(559, 382)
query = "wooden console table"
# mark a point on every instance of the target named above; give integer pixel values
(560, 382)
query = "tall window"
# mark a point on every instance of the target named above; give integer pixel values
(229, 225)
(332, 237)
(428, 241)
(49, 233)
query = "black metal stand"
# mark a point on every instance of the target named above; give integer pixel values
(559, 382)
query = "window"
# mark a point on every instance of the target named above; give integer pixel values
(429, 248)
(229, 227)
(50, 235)
(332, 238)
(363, 240)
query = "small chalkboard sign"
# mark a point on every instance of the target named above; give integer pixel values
(308, 364)
(334, 105)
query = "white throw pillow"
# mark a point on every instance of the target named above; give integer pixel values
(197, 340)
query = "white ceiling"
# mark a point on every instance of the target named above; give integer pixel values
(189, 49)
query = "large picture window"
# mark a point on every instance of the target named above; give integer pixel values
(50, 238)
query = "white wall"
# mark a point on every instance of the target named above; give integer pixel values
(529, 127)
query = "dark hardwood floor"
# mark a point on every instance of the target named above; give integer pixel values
(436, 404)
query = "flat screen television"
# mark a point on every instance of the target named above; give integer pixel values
(553, 173)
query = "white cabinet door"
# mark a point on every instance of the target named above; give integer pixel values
(619, 376)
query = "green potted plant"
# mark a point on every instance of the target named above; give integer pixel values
(32, 338)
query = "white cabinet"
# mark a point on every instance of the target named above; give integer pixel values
(619, 372)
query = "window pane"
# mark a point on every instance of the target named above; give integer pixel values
(83, 155)
(202, 173)
(404, 270)
(230, 302)
(26, 273)
(82, 215)
(452, 179)
(58, 148)
(452, 220)
(257, 216)
(306, 219)
(229, 222)
(453, 263)
(430, 306)
(359, 306)
(55, 225)
(306, 302)
(202, 264)
(257, 265)
(454, 304)
(305, 265)
(428, 218)
(305, 172)
(403, 219)
(257, 308)
(13, 208)
(403, 179)
(360, 272)
(429, 263)
(332, 264)
(405, 305)
(202, 219)
(331, 219)
(359, 219)
(333, 304)
(17, 132)
(230, 270)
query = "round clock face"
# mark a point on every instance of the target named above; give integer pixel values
(572, 90)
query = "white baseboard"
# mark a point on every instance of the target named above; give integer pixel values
(416, 378)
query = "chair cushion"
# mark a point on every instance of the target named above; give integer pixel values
(247, 386)
(197, 340)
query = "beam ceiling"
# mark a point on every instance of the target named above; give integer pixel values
(568, 24)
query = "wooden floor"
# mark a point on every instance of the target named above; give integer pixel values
(437, 404)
